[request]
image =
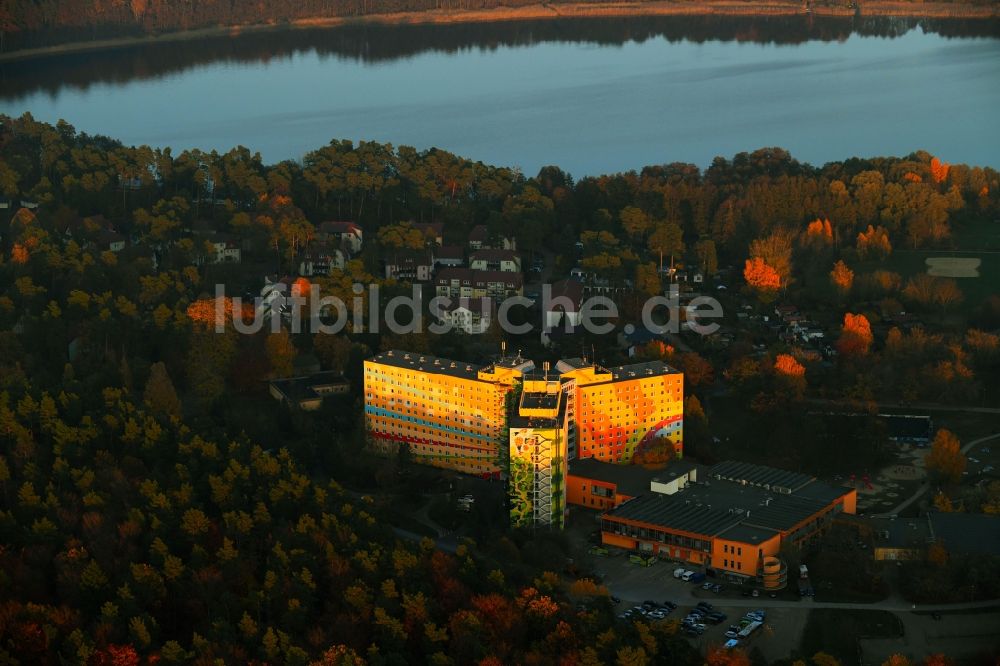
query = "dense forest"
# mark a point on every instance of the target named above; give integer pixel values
(157, 505)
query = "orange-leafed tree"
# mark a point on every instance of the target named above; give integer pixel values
(586, 587)
(339, 655)
(819, 232)
(19, 254)
(842, 277)
(790, 375)
(946, 458)
(856, 335)
(217, 312)
(720, 656)
(874, 242)
(938, 660)
(939, 170)
(785, 364)
(937, 555)
(897, 660)
(697, 369)
(943, 503)
(280, 353)
(762, 277)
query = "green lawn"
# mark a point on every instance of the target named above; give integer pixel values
(980, 236)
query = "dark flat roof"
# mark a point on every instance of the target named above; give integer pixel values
(731, 494)
(539, 400)
(303, 388)
(966, 533)
(518, 421)
(759, 475)
(638, 370)
(748, 534)
(676, 512)
(427, 363)
(630, 479)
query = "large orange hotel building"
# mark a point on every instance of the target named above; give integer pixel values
(454, 414)
(565, 435)
(509, 419)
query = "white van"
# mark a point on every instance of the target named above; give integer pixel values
(678, 572)
(686, 576)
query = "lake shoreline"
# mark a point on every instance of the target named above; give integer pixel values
(938, 10)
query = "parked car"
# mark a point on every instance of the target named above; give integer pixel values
(731, 634)
(716, 588)
(615, 600)
(678, 572)
(671, 605)
(707, 585)
(705, 605)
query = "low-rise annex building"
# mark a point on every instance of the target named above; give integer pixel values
(731, 519)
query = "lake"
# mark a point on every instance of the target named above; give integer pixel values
(592, 96)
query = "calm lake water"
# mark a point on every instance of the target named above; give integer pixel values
(588, 96)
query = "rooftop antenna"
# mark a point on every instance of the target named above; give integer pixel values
(503, 348)
(545, 366)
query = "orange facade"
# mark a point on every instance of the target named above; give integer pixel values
(622, 410)
(450, 414)
(592, 493)
(734, 555)
(740, 557)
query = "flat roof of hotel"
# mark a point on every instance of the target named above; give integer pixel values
(638, 370)
(518, 421)
(445, 366)
(427, 363)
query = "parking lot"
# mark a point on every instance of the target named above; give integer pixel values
(634, 584)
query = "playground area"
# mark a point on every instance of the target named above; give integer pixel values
(893, 483)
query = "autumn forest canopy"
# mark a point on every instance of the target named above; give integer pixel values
(156, 504)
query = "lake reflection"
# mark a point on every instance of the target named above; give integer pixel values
(592, 96)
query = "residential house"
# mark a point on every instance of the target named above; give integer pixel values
(563, 305)
(109, 240)
(226, 249)
(449, 255)
(410, 265)
(458, 283)
(470, 315)
(495, 260)
(321, 259)
(480, 239)
(348, 235)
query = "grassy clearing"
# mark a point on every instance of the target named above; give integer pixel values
(836, 631)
